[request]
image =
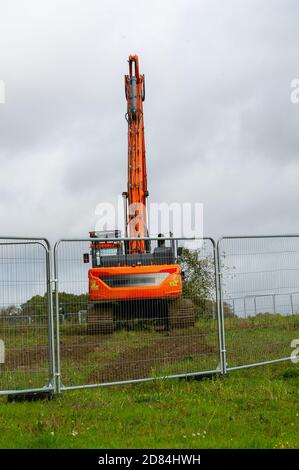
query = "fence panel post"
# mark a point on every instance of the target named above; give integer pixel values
(221, 311)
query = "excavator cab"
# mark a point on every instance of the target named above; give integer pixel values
(103, 247)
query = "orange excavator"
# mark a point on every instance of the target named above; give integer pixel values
(130, 279)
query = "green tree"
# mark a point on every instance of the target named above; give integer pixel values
(36, 306)
(68, 303)
(72, 303)
(199, 282)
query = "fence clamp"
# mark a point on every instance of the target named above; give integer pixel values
(53, 282)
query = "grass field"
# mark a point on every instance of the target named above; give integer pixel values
(141, 353)
(256, 408)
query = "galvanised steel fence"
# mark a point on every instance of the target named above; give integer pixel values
(259, 301)
(239, 308)
(132, 341)
(26, 327)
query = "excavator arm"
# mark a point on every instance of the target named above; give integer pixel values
(137, 191)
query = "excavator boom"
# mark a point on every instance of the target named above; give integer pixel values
(137, 178)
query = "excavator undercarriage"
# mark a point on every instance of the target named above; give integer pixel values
(105, 317)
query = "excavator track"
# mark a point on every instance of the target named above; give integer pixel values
(181, 314)
(99, 319)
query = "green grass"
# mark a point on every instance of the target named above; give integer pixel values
(256, 408)
(89, 358)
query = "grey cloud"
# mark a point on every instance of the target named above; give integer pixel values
(220, 128)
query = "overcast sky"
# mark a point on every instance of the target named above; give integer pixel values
(220, 126)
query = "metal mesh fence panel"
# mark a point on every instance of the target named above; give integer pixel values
(137, 329)
(26, 328)
(259, 297)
